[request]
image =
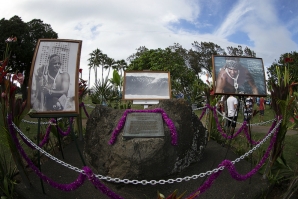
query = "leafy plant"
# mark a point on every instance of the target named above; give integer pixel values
(11, 105)
(103, 92)
(171, 196)
(293, 186)
(283, 103)
(7, 173)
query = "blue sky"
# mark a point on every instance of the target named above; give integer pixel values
(118, 28)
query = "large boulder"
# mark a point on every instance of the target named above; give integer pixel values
(144, 158)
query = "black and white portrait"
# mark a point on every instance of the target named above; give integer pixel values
(146, 85)
(54, 76)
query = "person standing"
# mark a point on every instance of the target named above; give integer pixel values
(248, 109)
(262, 108)
(232, 104)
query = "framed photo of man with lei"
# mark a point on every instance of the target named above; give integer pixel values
(236, 75)
(53, 83)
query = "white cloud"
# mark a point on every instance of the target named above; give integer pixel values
(234, 19)
(118, 27)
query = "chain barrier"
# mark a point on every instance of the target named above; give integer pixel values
(253, 124)
(42, 123)
(88, 105)
(145, 182)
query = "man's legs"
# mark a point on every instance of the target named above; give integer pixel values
(261, 115)
(233, 125)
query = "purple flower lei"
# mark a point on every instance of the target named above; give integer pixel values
(84, 108)
(232, 170)
(242, 128)
(165, 117)
(87, 171)
(64, 187)
(47, 134)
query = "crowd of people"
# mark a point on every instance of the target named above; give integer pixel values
(230, 106)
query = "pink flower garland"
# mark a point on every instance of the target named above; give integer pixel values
(64, 187)
(230, 166)
(84, 108)
(243, 127)
(165, 117)
(87, 171)
(46, 137)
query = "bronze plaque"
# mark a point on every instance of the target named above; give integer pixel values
(143, 125)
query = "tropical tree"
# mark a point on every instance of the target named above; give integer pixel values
(117, 82)
(22, 51)
(165, 60)
(136, 55)
(247, 52)
(103, 92)
(94, 61)
(109, 63)
(284, 103)
(200, 57)
(120, 66)
(282, 84)
(292, 61)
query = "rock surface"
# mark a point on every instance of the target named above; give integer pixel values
(144, 158)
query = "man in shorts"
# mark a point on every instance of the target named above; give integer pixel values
(232, 104)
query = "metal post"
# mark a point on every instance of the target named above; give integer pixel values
(38, 154)
(59, 140)
(74, 138)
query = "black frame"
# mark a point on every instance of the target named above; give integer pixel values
(256, 72)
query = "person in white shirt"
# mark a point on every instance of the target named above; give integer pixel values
(232, 104)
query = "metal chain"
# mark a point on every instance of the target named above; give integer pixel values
(44, 152)
(145, 182)
(253, 124)
(42, 123)
(88, 105)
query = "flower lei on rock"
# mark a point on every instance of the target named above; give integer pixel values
(165, 117)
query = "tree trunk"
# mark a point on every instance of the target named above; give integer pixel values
(89, 78)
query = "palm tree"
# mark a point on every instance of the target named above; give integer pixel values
(117, 79)
(95, 60)
(109, 63)
(89, 77)
(120, 65)
(103, 59)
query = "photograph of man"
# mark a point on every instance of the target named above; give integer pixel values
(52, 85)
(234, 78)
(232, 104)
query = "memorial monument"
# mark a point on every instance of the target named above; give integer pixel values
(138, 151)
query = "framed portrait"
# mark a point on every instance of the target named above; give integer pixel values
(146, 85)
(238, 76)
(53, 82)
